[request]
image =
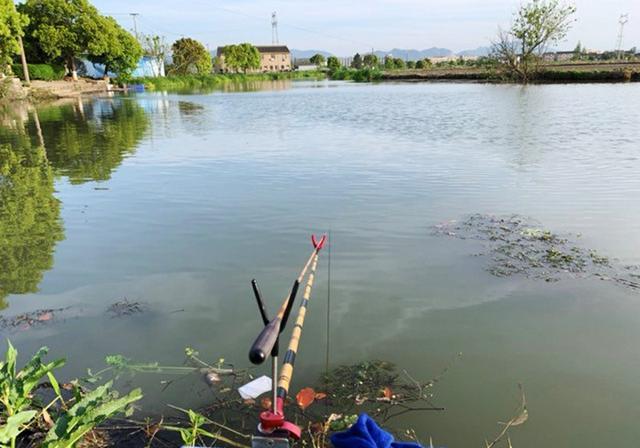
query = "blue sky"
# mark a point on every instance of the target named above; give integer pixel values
(344, 27)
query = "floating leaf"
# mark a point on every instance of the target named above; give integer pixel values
(305, 397)
(45, 316)
(320, 396)
(387, 393)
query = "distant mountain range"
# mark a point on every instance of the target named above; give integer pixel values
(407, 54)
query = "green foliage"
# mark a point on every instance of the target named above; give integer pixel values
(388, 63)
(115, 48)
(241, 57)
(21, 409)
(423, 63)
(536, 26)
(29, 218)
(370, 60)
(63, 29)
(12, 25)
(92, 409)
(45, 72)
(362, 75)
(398, 63)
(333, 63)
(16, 387)
(187, 83)
(190, 57)
(357, 61)
(317, 59)
(411, 64)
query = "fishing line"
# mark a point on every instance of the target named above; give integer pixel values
(326, 361)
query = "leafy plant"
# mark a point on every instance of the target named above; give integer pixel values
(16, 387)
(70, 421)
(89, 411)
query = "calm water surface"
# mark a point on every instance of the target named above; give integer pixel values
(179, 200)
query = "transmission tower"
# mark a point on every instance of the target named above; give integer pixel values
(624, 18)
(274, 28)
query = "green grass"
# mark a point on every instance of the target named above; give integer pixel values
(213, 81)
(357, 75)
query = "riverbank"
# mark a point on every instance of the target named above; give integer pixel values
(563, 73)
(38, 90)
(195, 82)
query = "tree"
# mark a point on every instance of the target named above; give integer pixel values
(12, 25)
(388, 63)
(357, 61)
(156, 48)
(116, 48)
(243, 57)
(411, 64)
(537, 25)
(63, 29)
(30, 223)
(333, 63)
(317, 59)
(398, 63)
(370, 60)
(190, 57)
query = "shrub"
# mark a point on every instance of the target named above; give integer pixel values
(44, 72)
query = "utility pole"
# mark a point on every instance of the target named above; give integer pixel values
(624, 18)
(134, 15)
(23, 57)
(274, 28)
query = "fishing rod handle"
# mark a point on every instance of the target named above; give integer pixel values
(265, 341)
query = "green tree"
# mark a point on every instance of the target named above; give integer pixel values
(411, 64)
(190, 57)
(398, 63)
(537, 25)
(333, 63)
(12, 25)
(317, 59)
(116, 48)
(423, 63)
(30, 223)
(241, 57)
(357, 61)
(388, 63)
(63, 29)
(370, 60)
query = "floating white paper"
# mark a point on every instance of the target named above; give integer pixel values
(255, 388)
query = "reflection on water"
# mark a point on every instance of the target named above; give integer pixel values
(80, 141)
(30, 223)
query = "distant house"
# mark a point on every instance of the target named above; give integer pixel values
(558, 56)
(273, 58)
(304, 65)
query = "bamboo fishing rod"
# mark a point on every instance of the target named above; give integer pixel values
(273, 421)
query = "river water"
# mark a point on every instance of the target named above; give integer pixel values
(177, 200)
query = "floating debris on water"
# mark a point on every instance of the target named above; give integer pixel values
(519, 245)
(126, 307)
(26, 321)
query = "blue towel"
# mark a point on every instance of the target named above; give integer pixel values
(365, 433)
